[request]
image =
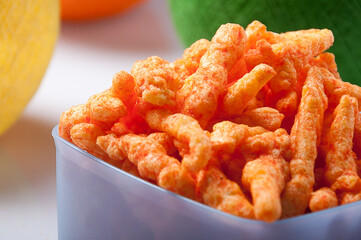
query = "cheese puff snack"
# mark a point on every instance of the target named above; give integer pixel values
(266, 175)
(301, 46)
(305, 138)
(341, 168)
(189, 63)
(256, 31)
(357, 135)
(287, 53)
(266, 117)
(105, 108)
(326, 60)
(322, 199)
(221, 193)
(123, 85)
(84, 135)
(186, 130)
(246, 88)
(199, 95)
(71, 117)
(152, 161)
(155, 81)
(335, 88)
(227, 136)
(165, 140)
(253, 123)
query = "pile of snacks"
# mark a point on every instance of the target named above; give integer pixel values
(253, 123)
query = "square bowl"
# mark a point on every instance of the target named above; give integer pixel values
(99, 201)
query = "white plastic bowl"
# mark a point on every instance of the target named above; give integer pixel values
(99, 201)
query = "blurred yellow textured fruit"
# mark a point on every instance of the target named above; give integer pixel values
(28, 32)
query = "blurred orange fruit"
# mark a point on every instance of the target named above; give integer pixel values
(80, 10)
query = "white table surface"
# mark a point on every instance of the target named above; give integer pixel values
(86, 57)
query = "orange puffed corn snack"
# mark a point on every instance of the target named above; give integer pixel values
(253, 123)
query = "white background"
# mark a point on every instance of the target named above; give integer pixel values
(86, 57)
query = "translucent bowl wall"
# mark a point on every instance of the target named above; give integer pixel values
(99, 201)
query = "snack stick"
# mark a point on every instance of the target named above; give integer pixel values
(194, 53)
(246, 88)
(262, 53)
(256, 102)
(181, 72)
(327, 122)
(286, 77)
(357, 135)
(284, 88)
(266, 117)
(335, 88)
(226, 47)
(101, 109)
(177, 179)
(199, 95)
(311, 111)
(266, 171)
(69, 118)
(251, 142)
(341, 168)
(232, 166)
(165, 140)
(219, 192)
(237, 71)
(292, 51)
(119, 128)
(134, 121)
(265, 178)
(123, 86)
(288, 104)
(349, 197)
(277, 142)
(282, 143)
(189, 63)
(129, 167)
(305, 137)
(284, 84)
(326, 60)
(186, 130)
(303, 45)
(104, 107)
(322, 199)
(155, 81)
(227, 136)
(152, 161)
(84, 135)
(256, 31)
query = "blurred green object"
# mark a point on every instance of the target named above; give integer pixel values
(195, 19)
